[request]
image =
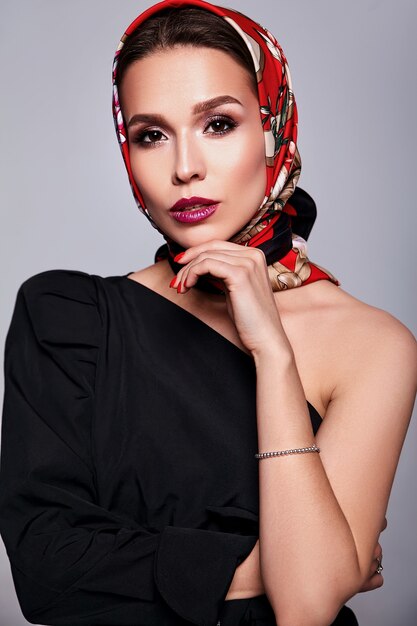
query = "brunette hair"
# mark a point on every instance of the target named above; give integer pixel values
(185, 26)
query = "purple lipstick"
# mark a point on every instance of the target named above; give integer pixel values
(193, 209)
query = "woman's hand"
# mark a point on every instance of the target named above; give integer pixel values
(249, 297)
(375, 580)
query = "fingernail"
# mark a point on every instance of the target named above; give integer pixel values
(171, 284)
(179, 287)
(179, 257)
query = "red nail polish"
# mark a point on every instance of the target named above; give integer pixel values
(179, 257)
(179, 287)
(171, 284)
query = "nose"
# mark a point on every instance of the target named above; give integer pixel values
(189, 160)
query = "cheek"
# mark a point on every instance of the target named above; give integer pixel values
(243, 163)
(148, 174)
(254, 167)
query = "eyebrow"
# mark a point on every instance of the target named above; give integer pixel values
(200, 107)
(208, 105)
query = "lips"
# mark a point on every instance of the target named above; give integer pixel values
(195, 202)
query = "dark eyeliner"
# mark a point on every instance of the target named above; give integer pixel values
(138, 138)
(221, 118)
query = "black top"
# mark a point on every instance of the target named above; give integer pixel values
(129, 486)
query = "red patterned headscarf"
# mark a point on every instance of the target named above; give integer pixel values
(283, 222)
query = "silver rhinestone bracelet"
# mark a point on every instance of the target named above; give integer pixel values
(266, 455)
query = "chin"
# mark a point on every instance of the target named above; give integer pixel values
(197, 236)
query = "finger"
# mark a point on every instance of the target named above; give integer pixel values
(384, 525)
(214, 244)
(377, 562)
(375, 578)
(218, 244)
(374, 582)
(379, 566)
(220, 266)
(203, 264)
(213, 248)
(180, 277)
(376, 568)
(378, 551)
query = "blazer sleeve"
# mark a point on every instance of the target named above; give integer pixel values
(72, 560)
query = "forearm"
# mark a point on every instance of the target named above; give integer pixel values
(309, 562)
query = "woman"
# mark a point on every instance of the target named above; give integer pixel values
(131, 493)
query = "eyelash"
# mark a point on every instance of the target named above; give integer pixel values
(139, 137)
(225, 120)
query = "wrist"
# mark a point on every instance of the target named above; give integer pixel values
(277, 353)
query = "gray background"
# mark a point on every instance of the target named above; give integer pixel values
(66, 203)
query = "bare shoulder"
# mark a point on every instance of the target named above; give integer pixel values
(372, 360)
(341, 342)
(363, 334)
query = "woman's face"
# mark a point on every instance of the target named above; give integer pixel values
(194, 131)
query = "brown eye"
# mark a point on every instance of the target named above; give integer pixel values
(148, 137)
(220, 126)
